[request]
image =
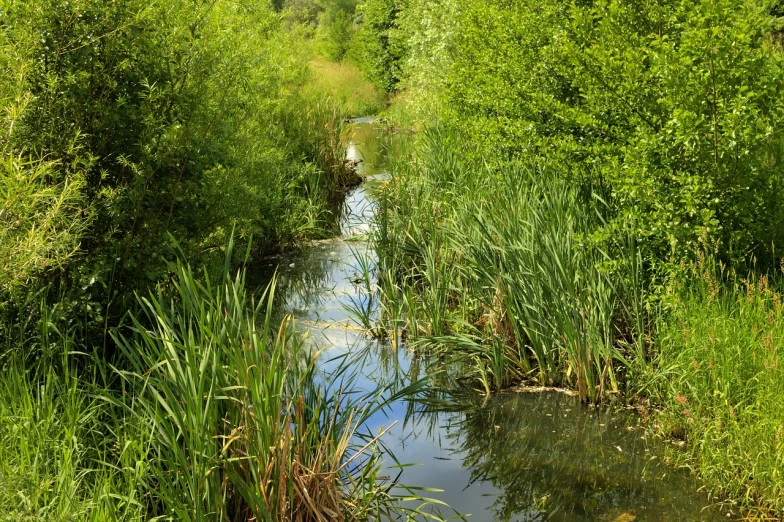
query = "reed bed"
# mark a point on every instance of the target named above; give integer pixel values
(502, 272)
(212, 411)
(495, 266)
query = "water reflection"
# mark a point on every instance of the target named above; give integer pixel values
(553, 459)
(371, 145)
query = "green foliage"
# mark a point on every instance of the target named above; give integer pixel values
(308, 12)
(378, 45)
(41, 218)
(142, 119)
(40, 222)
(339, 33)
(344, 85)
(215, 412)
(648, 130)
(329, 22)
(673, 107)
(503, 272)
(428, 29)
(717, 382)
(58, 437)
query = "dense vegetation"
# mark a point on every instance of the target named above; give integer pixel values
(137, 135)
(218, 415)
(130, 121)
(594, 200)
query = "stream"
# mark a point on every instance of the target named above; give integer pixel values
(514, 456)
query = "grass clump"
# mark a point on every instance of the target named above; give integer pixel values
(213, 411)
(716, 382)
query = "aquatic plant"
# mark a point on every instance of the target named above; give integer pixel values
(213, 411)
(505, 275)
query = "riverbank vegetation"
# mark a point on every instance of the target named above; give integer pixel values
(129, 122)
(594, 201)
(217, 416)
(148, 149)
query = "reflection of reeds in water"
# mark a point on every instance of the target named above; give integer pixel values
(553, 459)
(305, 278)
(362, 302)
(376, 146)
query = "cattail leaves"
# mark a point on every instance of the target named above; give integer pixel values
(237, 418)
(501, 278)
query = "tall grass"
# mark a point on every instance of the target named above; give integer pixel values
(65, 452)
(213, 411)
(344, 83)
(495, 265)
(544, 290)
(717, 383)
(501, 272)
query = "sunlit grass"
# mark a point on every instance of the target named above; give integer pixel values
(214, 411)
(717, 384)
(489, 271)
(344, 83)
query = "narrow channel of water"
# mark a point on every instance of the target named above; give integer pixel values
(515, 456)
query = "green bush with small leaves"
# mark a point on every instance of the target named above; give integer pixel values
(142, 119)
(671, 111)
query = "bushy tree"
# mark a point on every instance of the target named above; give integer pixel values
(159, 117)
(339, 32)
(379, 46)
(672, 111)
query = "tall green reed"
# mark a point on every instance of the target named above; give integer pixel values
(213, 410)
(234, 408)
(543, 284)
(493, 264)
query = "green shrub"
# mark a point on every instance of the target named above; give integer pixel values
(339, 31)
(673, 109)
(378, 45)
(153, 118)
(40, 222)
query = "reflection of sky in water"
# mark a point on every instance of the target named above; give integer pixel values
(517, 457)
(359, 209)
(370, 145)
